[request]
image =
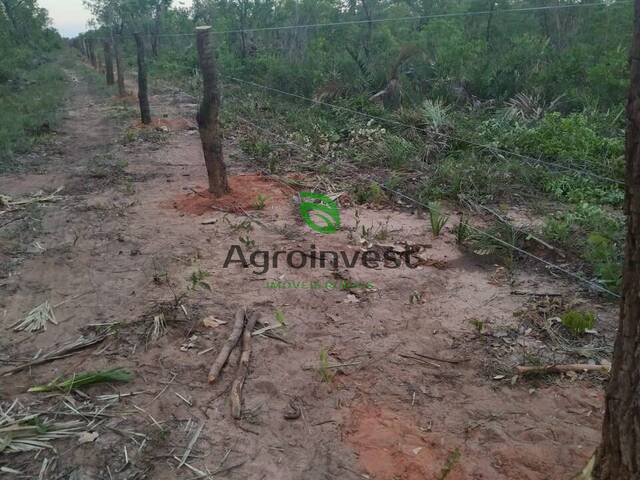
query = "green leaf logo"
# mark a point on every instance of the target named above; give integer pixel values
(319, 207)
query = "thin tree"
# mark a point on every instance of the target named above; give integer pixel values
(619, 455)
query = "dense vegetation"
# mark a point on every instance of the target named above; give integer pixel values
(31, 79)
(473, 101)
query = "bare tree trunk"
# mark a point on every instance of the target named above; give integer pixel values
(108, 62)
(619, 455)
(119, 67)
(143, 94)
(92, 53)
(208, 122)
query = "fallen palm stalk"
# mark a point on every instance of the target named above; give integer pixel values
(62, 352)
(9, 204)
(25, 432)
(84, 379)
(243, 367)
(522, 370)
(36, 320)
(229, 345)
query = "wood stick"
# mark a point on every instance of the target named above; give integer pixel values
(231, 342)
(563, 369)
(243, 367)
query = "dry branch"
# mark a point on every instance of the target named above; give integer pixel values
(62, 352)
(231, 342)
(243, 367)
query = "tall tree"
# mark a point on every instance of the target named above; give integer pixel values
(619, 454)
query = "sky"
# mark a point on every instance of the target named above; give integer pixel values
(70, 17)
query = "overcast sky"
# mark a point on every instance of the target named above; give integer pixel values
(70, 17)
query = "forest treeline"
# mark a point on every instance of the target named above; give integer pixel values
(31, 82)
(456, 49)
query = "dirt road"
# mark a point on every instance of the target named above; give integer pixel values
(409, 378)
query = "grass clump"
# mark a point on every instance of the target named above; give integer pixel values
(437, 219)
(324, 370)
(578, 322)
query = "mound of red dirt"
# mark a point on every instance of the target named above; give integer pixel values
(247, 193)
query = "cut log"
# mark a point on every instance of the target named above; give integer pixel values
(243, 367)
(231, 342)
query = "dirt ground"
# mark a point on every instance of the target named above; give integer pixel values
(411, 378)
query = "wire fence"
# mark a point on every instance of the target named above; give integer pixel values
(496, 150)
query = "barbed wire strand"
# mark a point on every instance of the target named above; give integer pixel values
(494, 148)
(479, 231)
(395, 19)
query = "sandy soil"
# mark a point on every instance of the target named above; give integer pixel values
(121, 246)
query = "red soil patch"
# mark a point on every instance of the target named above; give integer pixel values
(245, 190)
(169, 124)
(391, 447)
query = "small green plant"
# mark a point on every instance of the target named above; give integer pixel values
(256, 147)
(280, 318)
(499, 240)
(578, 322)
(260, 203)
(84, 379)
(436, 113)
(478, 325)
(197, 279)
(371, 193)
(248, 242)
(245, 225)
(452, 460)
(437, 218)
(462, 231)
(326, 375)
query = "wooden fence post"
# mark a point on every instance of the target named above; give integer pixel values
(108, 62)
(208, 122)
(143, 95)
(119, 67)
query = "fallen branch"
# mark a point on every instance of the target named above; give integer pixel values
(563, 369)
(438, 359)
(231, 342)
(243, 367)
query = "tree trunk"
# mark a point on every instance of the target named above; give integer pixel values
(208, 122)
(108, 62)
(92, 53)
(143, 94)
(119, 67)
(619, 455)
